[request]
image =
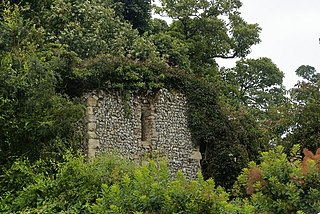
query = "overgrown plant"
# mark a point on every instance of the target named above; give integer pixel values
(282, 183)
(151, 190)
(68, 186)
(35, 120)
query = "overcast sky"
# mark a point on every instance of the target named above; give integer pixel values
(290, 33)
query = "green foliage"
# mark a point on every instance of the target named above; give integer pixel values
(74, 186)
(254, 87)
(137, 12)
(278, 184)
(108, 184)
(173, 50)
(257, 82)
(30, 9)
(68, 186)
(305, 111)
(88, 28)
(157, 26)
(308, 73)
(17, 33)
(108, 72)
(150, 190)
(33, 117)
(201, 26)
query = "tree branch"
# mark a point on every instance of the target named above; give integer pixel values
(226, 57)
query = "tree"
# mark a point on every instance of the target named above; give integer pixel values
(31, 9)
(308, 73)
(33, 117)
(211, 29)
(257, 82)
(88, 28)
(305, 127)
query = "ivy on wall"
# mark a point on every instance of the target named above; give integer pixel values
(224, 154)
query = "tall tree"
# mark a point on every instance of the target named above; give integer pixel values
(256, 82)
(34, 120)
(305, 129)
(211, 29)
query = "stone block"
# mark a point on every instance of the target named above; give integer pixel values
(91, 153)
(145, 144)
(92, 101)
(91, 118)
(92, 135)
(93, 144)
(196, 155)
(92, 126)
(89, 110)
(144, 162)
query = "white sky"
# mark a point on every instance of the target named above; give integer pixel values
(290, 33)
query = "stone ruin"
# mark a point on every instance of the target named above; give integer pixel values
(141, 127)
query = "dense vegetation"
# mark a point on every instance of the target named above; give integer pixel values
(109, 184)
(54, 50)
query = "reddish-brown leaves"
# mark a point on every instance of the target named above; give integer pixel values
(255, 174)
(308, 155)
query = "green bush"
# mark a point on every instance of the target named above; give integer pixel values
(281, 184)
(109, 184)
(76, 183)
(151, 190)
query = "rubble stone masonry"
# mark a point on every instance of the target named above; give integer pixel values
(142, 127)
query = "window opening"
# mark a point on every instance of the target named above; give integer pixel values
(143, 126)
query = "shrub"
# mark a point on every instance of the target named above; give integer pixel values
(76, 183)
(151, 190)
(281, 184)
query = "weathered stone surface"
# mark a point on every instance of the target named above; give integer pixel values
(196, 155)
(91, 153)
(92, 101)
(92, 127)
(92, 135)
(155, 125)
(89, 110)
(91, 118)
(93, 144)
(145, 144)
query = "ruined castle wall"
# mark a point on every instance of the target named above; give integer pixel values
(141, 127)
